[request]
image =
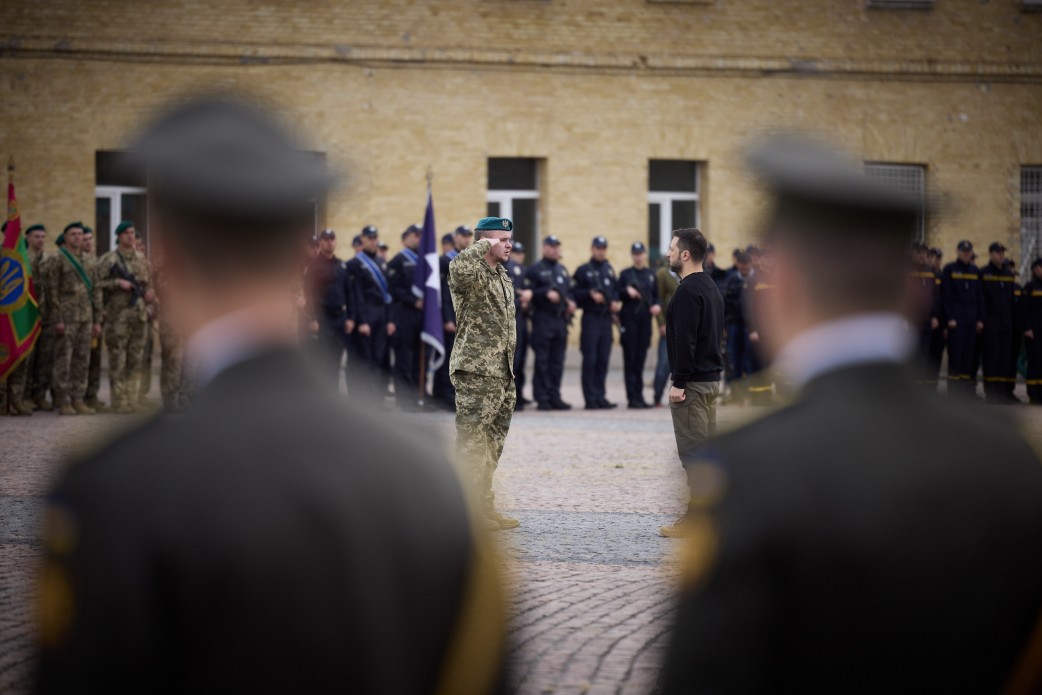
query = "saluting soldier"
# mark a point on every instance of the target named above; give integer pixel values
(407, 316)
(850, 543)
(70, 296)
(638, 291)
(482, 360)
(123, 278)
(964, 306)
(522, 304)
(369, 301)
(596, 292)
(552, 309)
(1031, 309)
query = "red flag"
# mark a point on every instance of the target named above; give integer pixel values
(19, 310)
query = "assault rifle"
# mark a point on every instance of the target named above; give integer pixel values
(137, 291)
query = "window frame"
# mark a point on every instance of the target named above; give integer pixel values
(665, 200)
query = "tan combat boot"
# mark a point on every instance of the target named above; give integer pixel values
(42, 404)
(505, 522)
(82, 408)
(66, 409)
(23, 408)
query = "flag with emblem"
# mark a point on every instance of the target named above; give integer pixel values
(19, 310)
(427, 284)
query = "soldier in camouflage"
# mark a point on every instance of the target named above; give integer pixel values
(43, 359)
(70, 298)
(174, 386)
(123, 279)
(90, 264)
(481, 366)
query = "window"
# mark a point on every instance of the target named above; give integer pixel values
(901, 4)
(909, 179)
(1030, 215)
(513, 192)
(673, 201)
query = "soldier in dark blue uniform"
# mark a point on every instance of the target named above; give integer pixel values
(442, 389)
(407, 316)
(926, 295)
(596, 291)
(552, 307)
(998, 285)
(1031, 316)
(638, 290)
(370, 297)
(522, 307)
(327, 298)
(964, 307)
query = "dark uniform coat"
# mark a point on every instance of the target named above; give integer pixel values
(870, 538)
(549, 327)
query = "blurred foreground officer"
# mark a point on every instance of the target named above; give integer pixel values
(596, 292)
(964, 307)
(998, 286)
(638, 290)
(483, 358)
(274, 538)
(552, 309)
(849, 543)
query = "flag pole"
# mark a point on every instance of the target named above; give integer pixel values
(423, 344)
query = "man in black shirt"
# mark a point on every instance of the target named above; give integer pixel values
(694, 323)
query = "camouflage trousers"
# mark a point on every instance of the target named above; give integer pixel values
(13, 391)
(125, 339)
(173, 385)
(484, 406)
(94, 371)
(144, 381)
(71, 362)
(43, 362)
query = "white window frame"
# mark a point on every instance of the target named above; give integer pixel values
(506, 197)
(115, 196)
(1031, 227)
(664, 199)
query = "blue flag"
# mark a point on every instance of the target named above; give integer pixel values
(427, 284)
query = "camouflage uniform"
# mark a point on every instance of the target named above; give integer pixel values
(173, 384)
(485, 394)
(125, 325)
(71, 303)
(43, 354)
(90, 264)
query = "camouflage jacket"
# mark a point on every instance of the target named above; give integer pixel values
(117, 301)
(36, 267)
(485, 325)
(68, 300)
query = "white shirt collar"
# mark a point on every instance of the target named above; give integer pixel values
(857, 339)
(220, 344)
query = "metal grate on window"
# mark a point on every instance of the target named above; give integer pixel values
(1030, 215)
(909, 179)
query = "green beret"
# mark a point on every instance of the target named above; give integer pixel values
(124, 226)
(88, 230)
(60, 241)
(72, 225)
(32, 228)
(489, 224)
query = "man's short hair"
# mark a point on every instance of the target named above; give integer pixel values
(692, 241)
(743, 258)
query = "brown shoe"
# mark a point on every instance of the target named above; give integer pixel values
(82, 408)
(66, 409)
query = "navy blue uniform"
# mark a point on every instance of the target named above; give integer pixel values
(408, 321)
(517, 275)
(635, 320)
(997, 285)
(964, 304)
(442, 388)
(1031, 314)
(370, 297)
(549, 328)
(327, 298)
(596, 337)
(926, 286)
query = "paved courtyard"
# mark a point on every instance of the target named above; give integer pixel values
(591, 578)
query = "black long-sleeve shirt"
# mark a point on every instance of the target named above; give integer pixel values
(694, 324)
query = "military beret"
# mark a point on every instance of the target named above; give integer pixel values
(60, 241)
(446, 239)
(491, 224)
(223, 156)
(370, 231)
(964, 246)
(464, 230)
(412, 229)
(327, 234)
(357, 240)
(552, 241)
(33, 227)
(72, 225)
(600, 242)
(638, 247)
(88, 230)
(124, 226)
(518, 247)
(996, 246)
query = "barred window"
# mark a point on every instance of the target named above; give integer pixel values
(673, 201)
(909, 179)
(1030, 213)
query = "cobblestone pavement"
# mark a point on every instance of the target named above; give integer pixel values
(591, 577)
